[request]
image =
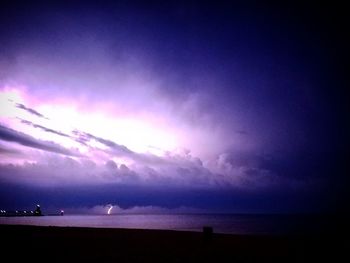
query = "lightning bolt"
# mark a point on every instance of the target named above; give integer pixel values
(109, 210)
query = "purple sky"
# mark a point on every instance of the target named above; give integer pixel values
(241, 104)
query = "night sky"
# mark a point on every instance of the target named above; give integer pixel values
(211, 106)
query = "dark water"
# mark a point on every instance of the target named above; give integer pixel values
(221, 223)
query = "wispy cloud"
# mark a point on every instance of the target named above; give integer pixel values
(43, 128)
(30, 110)
(10, 135)
(117, 148)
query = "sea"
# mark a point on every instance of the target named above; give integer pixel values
(242, 224)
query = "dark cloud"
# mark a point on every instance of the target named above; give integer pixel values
(259, 171)
(10, 135)
(118, 149)
(84, 138)
(31, 111)
(43, 128)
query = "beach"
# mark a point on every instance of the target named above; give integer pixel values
(78, 244)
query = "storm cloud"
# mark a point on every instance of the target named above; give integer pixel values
(11, 135)
(205, 104)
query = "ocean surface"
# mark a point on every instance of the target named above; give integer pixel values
(221, 223)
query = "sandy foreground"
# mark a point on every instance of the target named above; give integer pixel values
(73, 244)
